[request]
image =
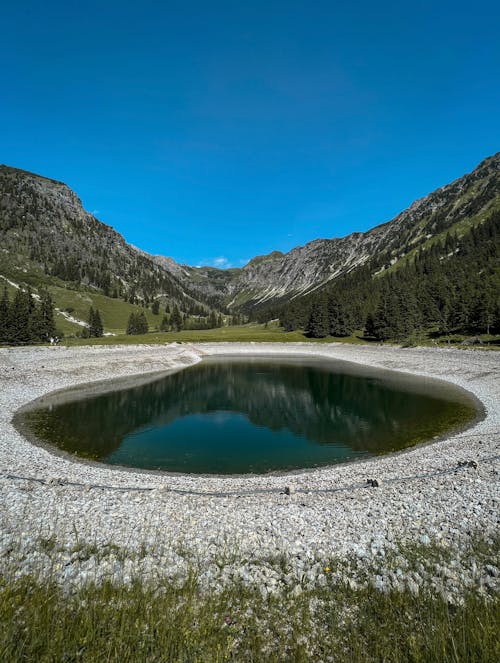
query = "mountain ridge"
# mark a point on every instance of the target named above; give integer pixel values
(45, 230)
(310, 266)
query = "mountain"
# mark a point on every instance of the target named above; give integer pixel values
(265, 280)
(47, 239)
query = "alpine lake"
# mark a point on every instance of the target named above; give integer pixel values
(234, 415)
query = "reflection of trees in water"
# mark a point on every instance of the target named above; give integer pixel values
(324, 407)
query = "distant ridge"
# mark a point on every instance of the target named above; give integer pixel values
(455, 207)
(45, 230)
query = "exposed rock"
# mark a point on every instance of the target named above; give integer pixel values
(279, 276)
(242, 526)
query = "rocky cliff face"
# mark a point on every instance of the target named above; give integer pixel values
(454, 207)
(44, 229)
(43, 224)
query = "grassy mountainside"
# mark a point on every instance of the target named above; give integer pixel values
(72, 303)
(48, 239)
(448, 286)
(277, 277)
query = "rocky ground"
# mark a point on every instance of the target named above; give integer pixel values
(84, 522)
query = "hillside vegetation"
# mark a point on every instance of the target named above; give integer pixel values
(449, 287)
(431, 272)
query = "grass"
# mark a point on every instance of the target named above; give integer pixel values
(243, 333)
(338, 621)
(260, 333)
(115, 312)
(164, 622)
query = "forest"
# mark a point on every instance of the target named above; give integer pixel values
(27, 319)
(451, 287)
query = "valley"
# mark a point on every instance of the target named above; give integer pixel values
(47, 240)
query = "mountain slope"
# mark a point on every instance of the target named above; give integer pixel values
(451, 286)
(455, 207)
(46, 235)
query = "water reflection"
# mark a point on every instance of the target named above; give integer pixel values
(318, 417)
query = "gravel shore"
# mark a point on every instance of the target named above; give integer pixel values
(55, 511)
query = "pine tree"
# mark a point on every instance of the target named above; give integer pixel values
(317, 326)
(142, 323)
(98, 326)
(137, 324)
(20, 331)
(340, 319)
(95, 327)
(132, 324)
(176, 319)
(164, 323)
(483, 312)
(47, 324)
(90, 322)
(212, 320)
(396, 315)
(34, 332)
(4, 316)
(294, 316)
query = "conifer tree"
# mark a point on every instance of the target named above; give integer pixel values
(137, 324)
(212, 320)
(4, 315)
(176, 319)
(95, 327)
(340, 319)
(98, 327)
(164, 323)
(90, 322)
(132, 324)
(317, 326)
(20, 331)
(47, 324)
(142, 323)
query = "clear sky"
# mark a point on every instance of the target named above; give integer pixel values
(214, 131)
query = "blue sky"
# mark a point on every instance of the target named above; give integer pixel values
(216, 131)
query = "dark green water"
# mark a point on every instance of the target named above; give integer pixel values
(253, 415)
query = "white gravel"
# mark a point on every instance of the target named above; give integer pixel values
(236, 526)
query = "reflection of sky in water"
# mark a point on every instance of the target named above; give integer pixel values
(224, 439)
(247, 416)
(221, 418)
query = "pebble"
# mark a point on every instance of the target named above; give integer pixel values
(92, 533)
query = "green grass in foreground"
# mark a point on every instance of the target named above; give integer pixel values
(171, 624)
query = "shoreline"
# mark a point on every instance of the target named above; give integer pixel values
(423, 494)
(90, 389)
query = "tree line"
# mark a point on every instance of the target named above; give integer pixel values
(453, 286)
(27, 319)
(175, 320)
(95, 327)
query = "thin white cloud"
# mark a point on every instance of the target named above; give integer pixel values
(221, 262)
